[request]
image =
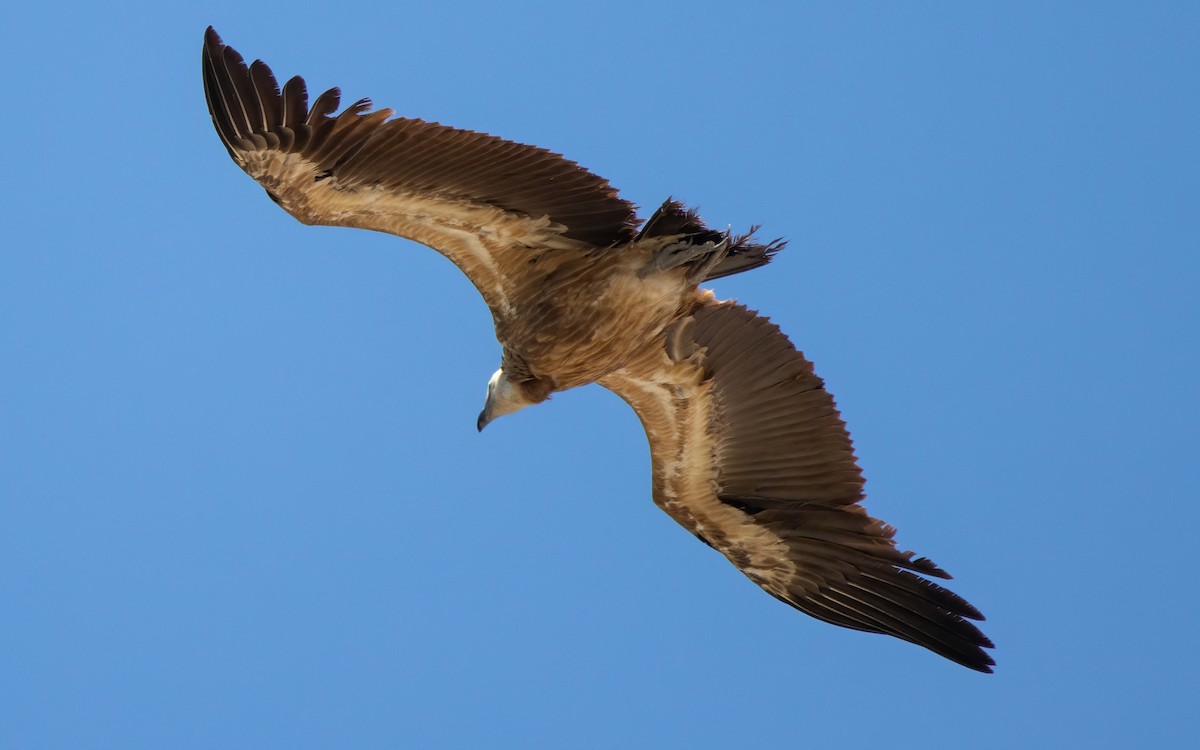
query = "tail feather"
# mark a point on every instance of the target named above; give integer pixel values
(740, 252)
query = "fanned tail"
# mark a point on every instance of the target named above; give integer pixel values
(736, 253)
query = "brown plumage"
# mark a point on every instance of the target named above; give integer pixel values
(749, 451)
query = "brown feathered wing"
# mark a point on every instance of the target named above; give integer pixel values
(468, 195)
(750, 454)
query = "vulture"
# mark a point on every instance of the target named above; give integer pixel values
(748, 450)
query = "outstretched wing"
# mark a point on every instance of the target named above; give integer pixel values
(750, 454)
(473, 197)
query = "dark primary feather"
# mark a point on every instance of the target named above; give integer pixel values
(785, 459)
(406, 155)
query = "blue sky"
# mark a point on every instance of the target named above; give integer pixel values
(242, 500)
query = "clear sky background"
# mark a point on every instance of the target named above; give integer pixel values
(242, 499)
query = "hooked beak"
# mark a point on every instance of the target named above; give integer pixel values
(485, 416)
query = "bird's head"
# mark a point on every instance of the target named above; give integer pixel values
(506, 396)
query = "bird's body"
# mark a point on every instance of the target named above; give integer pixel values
(749, 452)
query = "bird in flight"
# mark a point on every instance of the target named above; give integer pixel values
(748, 450)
